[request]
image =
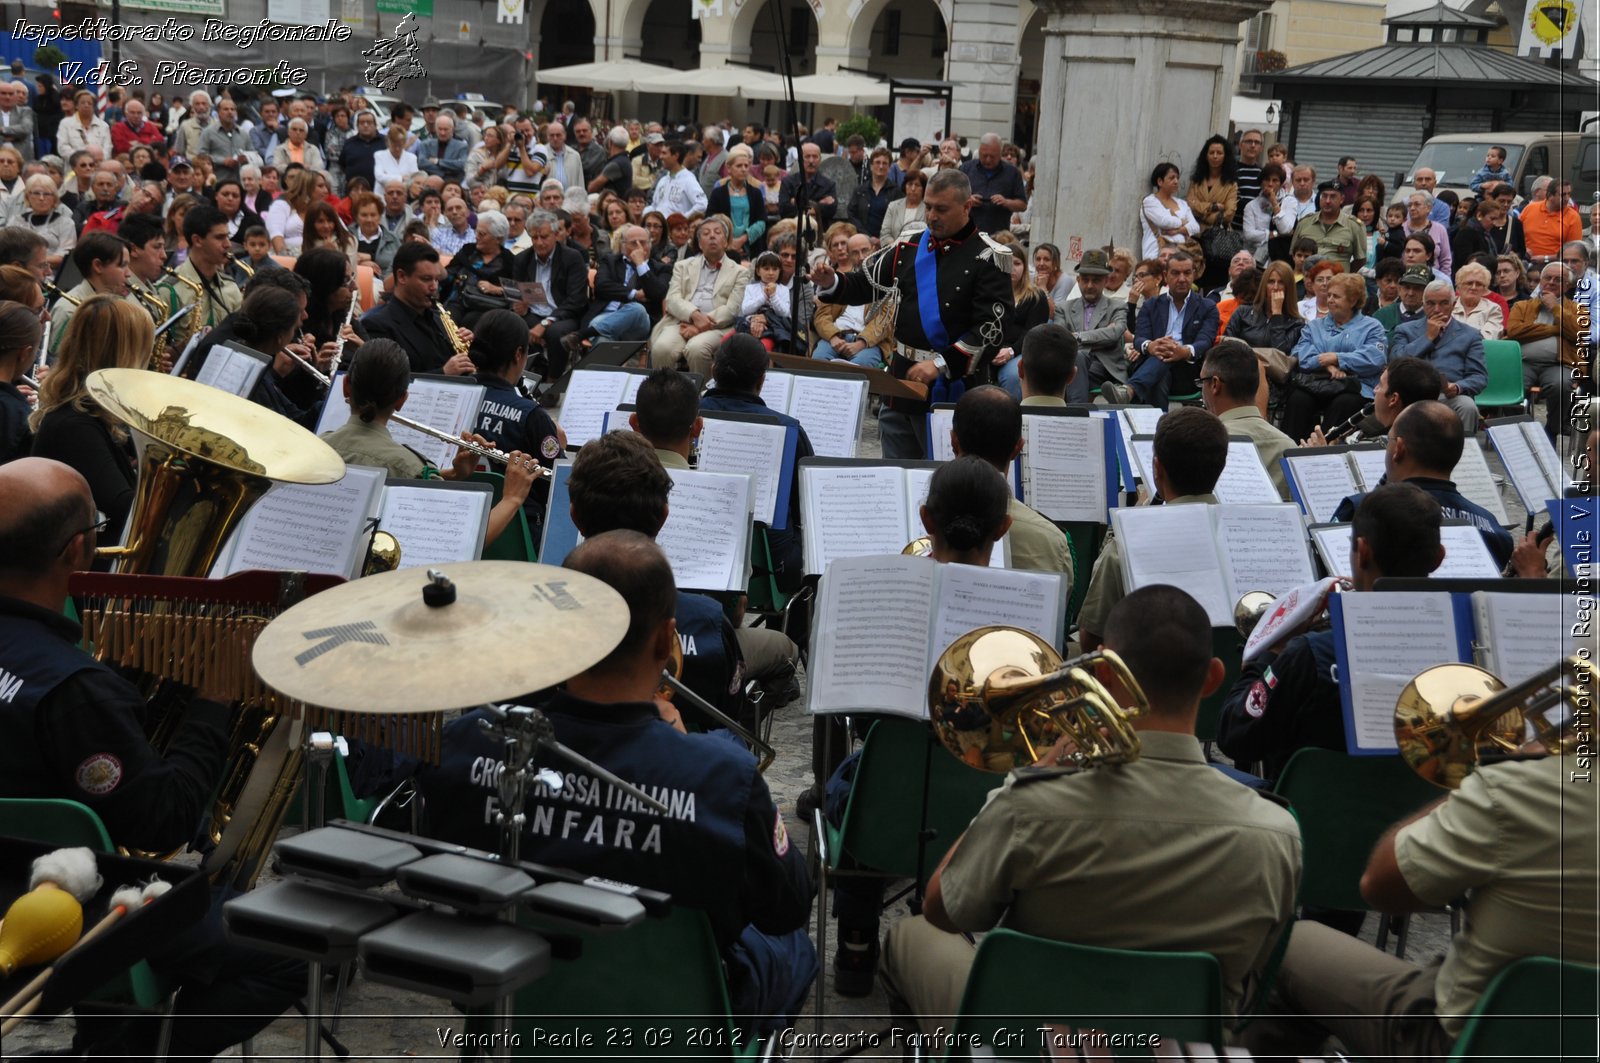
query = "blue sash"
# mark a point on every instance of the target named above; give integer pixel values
(928, 293)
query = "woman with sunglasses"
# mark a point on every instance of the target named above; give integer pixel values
(107, 332)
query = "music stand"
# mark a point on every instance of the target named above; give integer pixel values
(612, 353)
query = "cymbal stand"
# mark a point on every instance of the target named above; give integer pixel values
(523, 731)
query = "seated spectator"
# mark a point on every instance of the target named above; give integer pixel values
(1097, 322)
(258, 249)
(1241, 292)
(1511, 282)
(1414, 280)
(768, 296)
(48, 217)
(553, 295)
(1385, 284)
(1473, 306)
(701, 302)
(1340, 359)
(475, 272)
(628, 288)
(443, 154)
(1317, 276)
(394, 162)
(1030, 308)
(1174, 331)
(1270, 323)
(1419, 206)
(454, 232)
(1552, 336)
(1454, 348)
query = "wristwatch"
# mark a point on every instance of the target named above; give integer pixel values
(547, 322)
(939, 364)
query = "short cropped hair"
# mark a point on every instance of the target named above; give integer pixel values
(1432, 433)
(1192, 447)
(618, 482)
(630, 563)
(741, 363)
(411, 255)
(1234, 363)
(1400, 522)
(1049, 358)
(1413, 380)
(1164, 637)
(667, 406)
(988, 423)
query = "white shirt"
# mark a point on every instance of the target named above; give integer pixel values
(541, 275)
(679, 193)
(705, 289)
(385, 167)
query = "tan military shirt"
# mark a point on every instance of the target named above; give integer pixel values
(1519, 839)
(1165, 853)
(1270, 443)
(1037, 544)
(66, 306)
(1107, 586)
(671, 459)
(1045, 400)
(361, 442)
(221, 298)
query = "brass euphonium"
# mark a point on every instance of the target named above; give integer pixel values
(205, 457)
(1000, 697)
(1449, 715)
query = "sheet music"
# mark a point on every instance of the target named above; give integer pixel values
(776, 389)
(747, 447)
(1244, 479)
(1391, 637)
(850, 512)
(1263, 548)
(1064, 467)
(1175, 545)
(1333, 548)
(829, 409)
(1142, 452)
(1522, 465)
(448, 406)
(231, 370)
(873, 652)
(1371, 465)
(631, 384)
(1466, 555)
(1544, 451)
(1142, 420)
(306, 527)
(917, 481)
(941, 422)
(707, 533)
(436, 525)
(971, 597)
(1321, 482)
(590, 395)
(1523, 634)
(1473, 479)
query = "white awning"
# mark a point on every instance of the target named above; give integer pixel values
(615, 75)
(632, 75)
(850, 90)
(1253, 111)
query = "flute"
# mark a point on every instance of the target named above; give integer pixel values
(487, 453)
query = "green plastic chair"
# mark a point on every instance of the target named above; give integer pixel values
(63, 823)
(516, 542)
(1085, 540)
(1019, 983)
(655, 989)
(1503, 358)
(1344, 805)
(1227, 645)
(1533, 1009)
(763, 594)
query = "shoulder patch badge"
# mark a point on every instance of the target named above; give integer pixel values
(780, 835)
(550, 447)
(99, 774)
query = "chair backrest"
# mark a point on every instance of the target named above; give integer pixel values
(516, 541)
(662, 976)
(1533, 1009)
(885, 814)
(1020, 983)
(1084, 539)
(1344, 805)
(1503, 361)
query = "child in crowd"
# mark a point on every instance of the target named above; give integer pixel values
(768, 296)
(258, 249)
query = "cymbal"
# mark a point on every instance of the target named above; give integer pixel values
(216, 425)
(374, 645)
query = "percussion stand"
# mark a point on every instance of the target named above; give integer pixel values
(523, 731)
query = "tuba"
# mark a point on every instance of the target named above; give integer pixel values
(1450, 715)
(1000, 697)
(204, 458)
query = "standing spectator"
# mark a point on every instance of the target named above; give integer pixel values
(186, 140)
(1548, 225)
(225, 141)
(855, 153)
(591, 153)
(616, 172)
(1269, 218)
(998, 190)
(906, 211)
(84, 129)
(742, 202)
(872, 196)
(359, 151)
(714, 162)
(824, 138)
(565, 164)
(333, 140)
(265, 138)
(1168, 221)
(647, 163)
(910, 160)
(1303, 182)
(16, 118)
(821, 198)
(486, 163)
(46, 112)
(1419, 206)
(1506, 233)
(135, 129)
(1425, 180)
(678, 191)
(1338, 236)
(443, 154)
(1249, 167)
(1214, 185)
(1349, 184)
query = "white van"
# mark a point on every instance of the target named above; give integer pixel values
(1455, 157)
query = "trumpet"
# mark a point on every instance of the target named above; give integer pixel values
(672, 683)
(1349, 427)
(1448, 716)
(999, 697)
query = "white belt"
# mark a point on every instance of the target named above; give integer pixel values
(918, 355)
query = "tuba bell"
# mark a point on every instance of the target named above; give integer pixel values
(1000, 697)
(1448, 716)
(204, 458)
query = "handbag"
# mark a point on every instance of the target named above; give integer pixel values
(1221, 243)
(1323, 386)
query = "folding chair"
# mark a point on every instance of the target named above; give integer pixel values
(1503, 359)
(1533, 1009)
(516, 541)
(1020, 983)
(1084, 538)
(1227, 645)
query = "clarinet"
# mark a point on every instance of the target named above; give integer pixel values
(1349, 427)
(338, 347)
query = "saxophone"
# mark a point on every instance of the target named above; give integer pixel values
(185, 331)
(457, 344)
(158, 312)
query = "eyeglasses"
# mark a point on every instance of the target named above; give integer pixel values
(1205, 379)
(96, 529)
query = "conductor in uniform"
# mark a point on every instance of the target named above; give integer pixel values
(70, 727)
(954, 288)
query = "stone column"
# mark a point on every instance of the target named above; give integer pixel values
(983, 61)
(1127, 84)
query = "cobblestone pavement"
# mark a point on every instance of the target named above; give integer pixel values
(380, 1022)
